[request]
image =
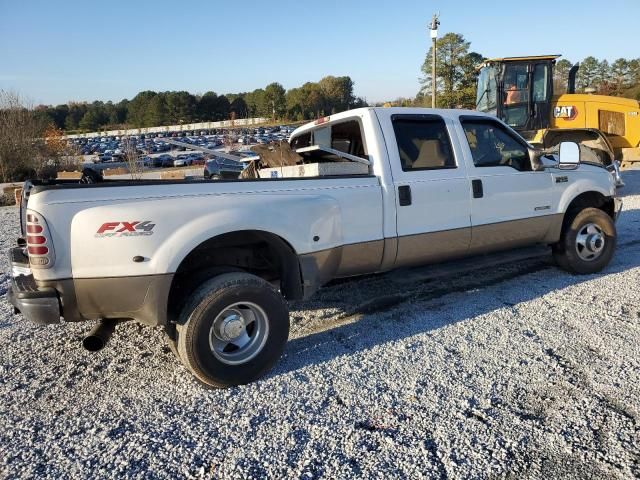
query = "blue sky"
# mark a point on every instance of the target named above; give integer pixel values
(55, 51)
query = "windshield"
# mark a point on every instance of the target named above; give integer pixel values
(486, 93)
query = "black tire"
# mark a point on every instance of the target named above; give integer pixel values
(173, 346)
(571, 257)
(187, 286)
(195, 330)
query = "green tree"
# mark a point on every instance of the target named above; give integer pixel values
(222, 108)
(57, 115)
(603, 77)
(156, 112)
(181, 107)
(256, 103)
(275, 99)
(620, 75)
(137, 107)
(116, 112)
(92, 119)
(337, 93)
(213, 107)
(89, 122)
(207, 105)
(455, 67)
(588, 73)
(561, 76)
(465, 96)
(634, 72)
(76, 112)
(295, 104)
(313, 100)
(238, 107)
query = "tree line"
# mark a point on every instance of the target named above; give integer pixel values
(148, 108)
(456, 68)
(602, 77)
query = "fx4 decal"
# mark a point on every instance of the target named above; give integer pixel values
(126, 229)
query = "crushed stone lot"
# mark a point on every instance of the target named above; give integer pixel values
(517, 371)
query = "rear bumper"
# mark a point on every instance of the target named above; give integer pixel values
(142, 298)
(37, 304)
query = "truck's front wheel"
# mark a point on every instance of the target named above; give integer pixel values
(232, 330)
(587, 243)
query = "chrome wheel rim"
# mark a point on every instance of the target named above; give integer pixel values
(590, 242)
(239, 333)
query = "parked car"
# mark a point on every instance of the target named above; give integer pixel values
(213, 262)
(197, 158)
(161, 161)
(182, 162)
(222, 168)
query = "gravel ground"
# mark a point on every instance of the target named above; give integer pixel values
(519, 372)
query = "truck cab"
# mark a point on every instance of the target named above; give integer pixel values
(457, 183)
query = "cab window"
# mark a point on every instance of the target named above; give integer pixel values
(301, 141)
(516, 95)
(423, 143)
(492, 145)
(541, 83)
(345, 137)
(516, 84)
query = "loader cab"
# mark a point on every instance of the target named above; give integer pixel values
(518, 90)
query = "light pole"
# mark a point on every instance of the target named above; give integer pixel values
(435, 22)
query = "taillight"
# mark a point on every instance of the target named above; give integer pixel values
(39, 245)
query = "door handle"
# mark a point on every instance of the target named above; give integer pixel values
(404, 195)
(476, 186)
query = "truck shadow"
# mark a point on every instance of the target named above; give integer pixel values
(385, 308)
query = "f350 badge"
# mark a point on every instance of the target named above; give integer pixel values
(136, 228)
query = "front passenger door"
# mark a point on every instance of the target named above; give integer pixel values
(511, 204)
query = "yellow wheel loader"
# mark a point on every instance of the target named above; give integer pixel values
(519, 90)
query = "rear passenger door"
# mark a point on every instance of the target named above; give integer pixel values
(432, 189)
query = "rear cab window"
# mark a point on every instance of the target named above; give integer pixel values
(344, 136)
(423, 142)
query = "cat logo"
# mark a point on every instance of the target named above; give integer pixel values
(568, 112)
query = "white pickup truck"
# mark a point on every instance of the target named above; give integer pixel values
(213, 261)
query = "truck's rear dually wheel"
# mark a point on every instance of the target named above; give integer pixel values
(232, 329)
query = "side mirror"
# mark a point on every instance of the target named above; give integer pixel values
(569, 156)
